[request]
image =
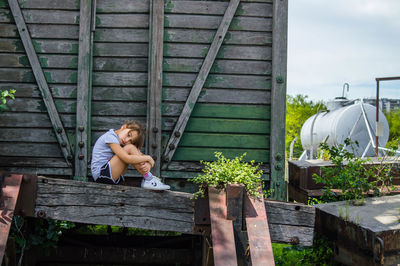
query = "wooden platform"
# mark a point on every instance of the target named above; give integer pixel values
(363, 235)
(92, 203)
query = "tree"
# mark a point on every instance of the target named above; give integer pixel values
(298, 110)
(393, 118)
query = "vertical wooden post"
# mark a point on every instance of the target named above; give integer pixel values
(82, 145)
(278, 101)
(154, 93)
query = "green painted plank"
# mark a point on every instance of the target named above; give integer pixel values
(207, 154)
(43, 31)
(227, 126)
(190, 175)
(41, 46)
(51, 150)
(222, 111)
(224, 140)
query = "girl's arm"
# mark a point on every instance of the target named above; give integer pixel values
(128, 158)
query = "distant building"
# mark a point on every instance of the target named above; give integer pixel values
(384, 103)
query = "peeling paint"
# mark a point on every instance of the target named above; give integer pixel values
(169, 6)
(73, 78)
(235, 24)
(18, 46)
(23, 60)
(37, 45)
(44, 62)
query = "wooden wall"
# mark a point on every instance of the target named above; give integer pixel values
(233, 112)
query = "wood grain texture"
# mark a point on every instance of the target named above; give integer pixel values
(84, 90)
(278, 96)
(41, 81)
(155, 81)
(115, 205)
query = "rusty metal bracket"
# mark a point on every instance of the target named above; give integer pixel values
(27, 196)
(379, 257)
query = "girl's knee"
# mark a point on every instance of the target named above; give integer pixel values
(131, 149)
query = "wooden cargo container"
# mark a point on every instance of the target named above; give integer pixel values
(100, 69)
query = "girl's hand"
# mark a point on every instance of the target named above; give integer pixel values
(150, 160)
(144, 168)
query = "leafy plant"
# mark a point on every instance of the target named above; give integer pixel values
(40, 232)
(225, 171)
(349, 174)
(4, 94)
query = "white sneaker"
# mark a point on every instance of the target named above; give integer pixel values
(154, 184)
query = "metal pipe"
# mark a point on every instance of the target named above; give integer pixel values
(377, 117)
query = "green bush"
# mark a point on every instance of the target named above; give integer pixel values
(225, 171)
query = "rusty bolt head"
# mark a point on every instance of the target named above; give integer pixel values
(171, 146)
(177, 134)
(80, 157)
(154, 146)
(294, 240)
(26, 178)
(41, 214)
(45, 181)
(155, 130)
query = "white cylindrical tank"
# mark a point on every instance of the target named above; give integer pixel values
(343, 122)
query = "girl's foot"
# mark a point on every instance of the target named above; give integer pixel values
(154, 184)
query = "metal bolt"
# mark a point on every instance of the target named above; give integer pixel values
(45, 181)
(177, 134)
(63, 144)
(59, 130)
(171, 146)
(81, 144)
(294, 240)
(278, 167)
(279, 80)
(155, 130)
(81, 128)
(80, 157)
(166, 159)
(69, 157)
(41, 214)
(278, 157)
(154, 146)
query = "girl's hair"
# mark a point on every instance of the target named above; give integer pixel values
(140, 131)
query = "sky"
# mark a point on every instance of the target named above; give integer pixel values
(343, 41)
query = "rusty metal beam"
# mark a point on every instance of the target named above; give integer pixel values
(258, 232)
(223, 240)
(8, 200)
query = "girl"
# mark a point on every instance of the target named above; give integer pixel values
(116, 149)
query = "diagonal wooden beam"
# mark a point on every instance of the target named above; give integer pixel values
(154, 93)
(199, 82)
(82, 131)
(41, 81)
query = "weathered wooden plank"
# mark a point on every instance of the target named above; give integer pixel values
(217, 81)
(10, 188)
(183, 35)
(33, 162)
(207, 154)
(155, 81)
(221, 229)
(226, 51)
(119, 79)
(123, 6)
(219, 66)
(84, 90)
(121, 50)
(46, 61)
(41, 81)
(115, 205)
(121, 35)
(38, 171)
(278, 96)
(120, 64)
(206, 36)
(33, 149)
(122, 20)
(220, 96)
(212, 22)
(43, 16)
(227, 125)
(31, 135)
(45, 4)
(25, 75)
(224, 140)
(180, 169)
(41, 46)
(217, 8)
(43, 31)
